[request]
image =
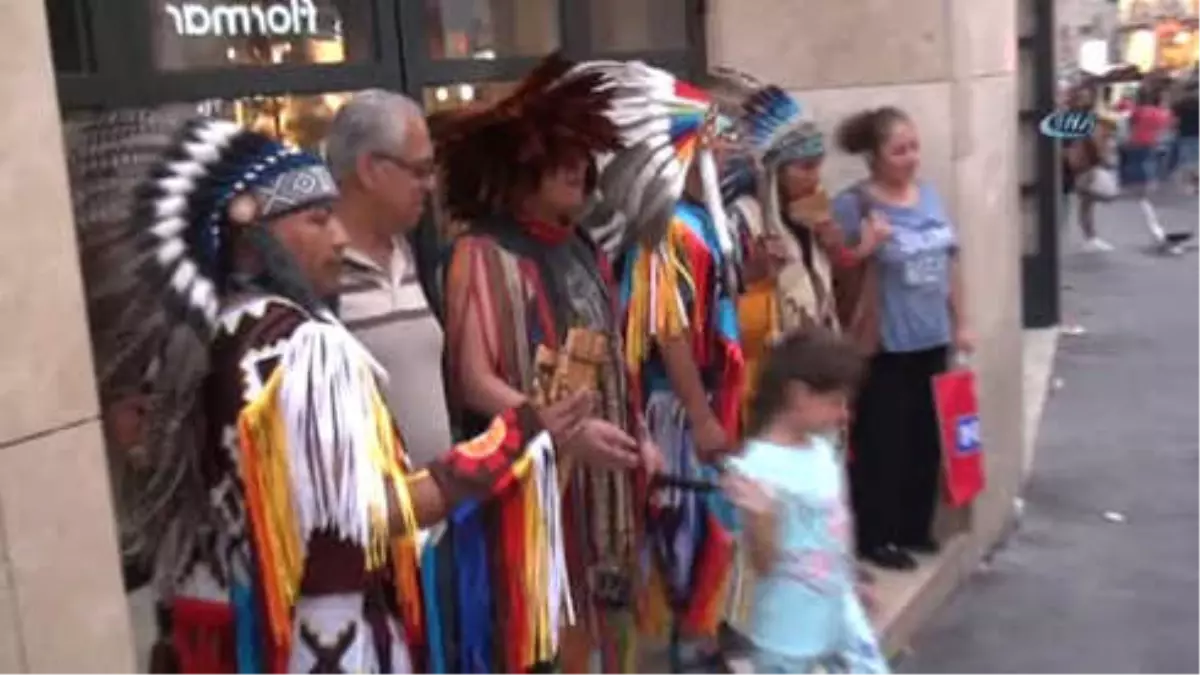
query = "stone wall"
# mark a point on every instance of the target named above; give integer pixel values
(62, 608)
(952, 65)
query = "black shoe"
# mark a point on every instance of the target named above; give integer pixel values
(924, 547)
(889, 557)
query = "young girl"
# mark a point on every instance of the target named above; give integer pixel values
(790, 489)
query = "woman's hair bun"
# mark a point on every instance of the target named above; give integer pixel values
(865, 131)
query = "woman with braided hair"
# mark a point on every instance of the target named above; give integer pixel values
(276, 497)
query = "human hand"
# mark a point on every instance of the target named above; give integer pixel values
(765, 258)
(604, 445)
(751, 497)
(810, 209)
(564, 418)
(711, 439)
(876, 230)
(964, 341)
(651, 457)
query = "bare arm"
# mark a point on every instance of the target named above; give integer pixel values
(471, 335)
(712, 441)
(833, 242)
(685, 377)
(957, 300)
(428, 503)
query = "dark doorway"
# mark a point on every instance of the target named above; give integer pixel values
(1039, 172)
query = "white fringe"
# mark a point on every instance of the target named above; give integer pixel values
(712, 200)
(326, 399)
(553, 556)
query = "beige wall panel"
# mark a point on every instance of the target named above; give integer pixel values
(45, 356)
(57, 517)
(814, 44)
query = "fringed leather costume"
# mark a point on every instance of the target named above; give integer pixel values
(528, 285)
(679, 266)
(277, 500)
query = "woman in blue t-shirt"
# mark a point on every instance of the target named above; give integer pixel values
(904, 305)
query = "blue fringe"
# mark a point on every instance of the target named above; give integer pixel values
(474, 591)
(247, 628)
(433, 610)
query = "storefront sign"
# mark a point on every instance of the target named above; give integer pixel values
(281, 19)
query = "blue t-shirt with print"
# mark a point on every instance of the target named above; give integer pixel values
(914, 267)
(800, 606)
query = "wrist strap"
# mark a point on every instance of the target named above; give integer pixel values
(483, 466)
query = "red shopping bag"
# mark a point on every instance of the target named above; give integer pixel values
(958, 423)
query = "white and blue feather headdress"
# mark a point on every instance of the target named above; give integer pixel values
(779, 129)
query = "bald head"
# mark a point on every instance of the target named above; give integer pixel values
(379, 150)
(373, 121)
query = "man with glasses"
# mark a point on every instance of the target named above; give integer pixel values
(381, 155)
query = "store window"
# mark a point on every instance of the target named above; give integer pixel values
(301, 121)
(1136, 11)
(68, 36)
(1172, 8)
(1140, 48)
(208, 34)
(490, 29)
(446, 97)
(638, 25)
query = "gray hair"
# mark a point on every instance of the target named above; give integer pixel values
(373, 120)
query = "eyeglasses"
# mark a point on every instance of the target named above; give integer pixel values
(422, 170)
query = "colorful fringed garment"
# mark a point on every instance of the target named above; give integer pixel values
(309, 569)
(681, 288)
(527, 285)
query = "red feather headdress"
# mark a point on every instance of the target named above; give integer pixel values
(487, 154)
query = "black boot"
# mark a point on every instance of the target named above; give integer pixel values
(889, 556)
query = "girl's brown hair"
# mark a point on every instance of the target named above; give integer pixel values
(815, 357)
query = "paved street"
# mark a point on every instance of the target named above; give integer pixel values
(1074, 591)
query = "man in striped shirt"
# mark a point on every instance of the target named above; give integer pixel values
(380, 153)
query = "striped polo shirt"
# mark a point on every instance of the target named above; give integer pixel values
(388, 312)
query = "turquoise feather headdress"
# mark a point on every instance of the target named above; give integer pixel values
(778, 128)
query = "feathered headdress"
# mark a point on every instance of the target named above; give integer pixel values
(778, 128)
(487, 154)
(665, 124)
(731, 89)
(154, 205)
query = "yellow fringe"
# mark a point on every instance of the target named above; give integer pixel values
(654, 613)
(664, 270)
(266, 474)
